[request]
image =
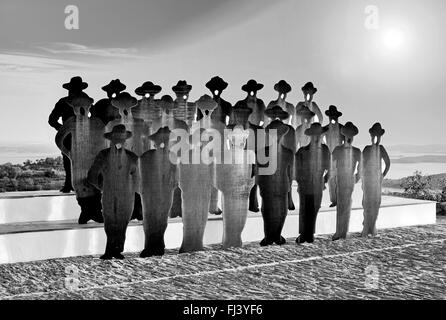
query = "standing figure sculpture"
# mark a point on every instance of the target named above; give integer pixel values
(283, 88)
(309, 90)
(115, 171)
(196, 178)
(274, 188)
(235, 179)
(158, 180)
(312, 171)
(347, 160)
(334, 138)
(306, 116)
(80, 138)
(184, 111)
(65, 111)
(145, 113)
(372, 177)
(221, 114)
(103, 109)
(257, 105)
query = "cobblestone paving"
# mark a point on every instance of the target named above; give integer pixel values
(403, 263)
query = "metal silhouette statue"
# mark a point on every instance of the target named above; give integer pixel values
(288, 141)
(146, 112)
(125, 103)
(80, 138)
(235, 180)
(257, 105)
(372, 177)
(312, 171)
(309, 91)
(184, 111)
(158, 180)
(103, 109)
(65, 111)
(274, 188)
(347, 161)
(115, 171)
(306, 116)
(195, 181)
(334, 138)
(283, 88)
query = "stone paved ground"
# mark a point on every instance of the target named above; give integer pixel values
(404, 263)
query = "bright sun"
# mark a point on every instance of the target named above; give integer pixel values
(393, 39)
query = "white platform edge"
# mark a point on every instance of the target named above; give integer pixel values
(41, 245)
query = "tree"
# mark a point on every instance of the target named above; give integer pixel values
(417, 186)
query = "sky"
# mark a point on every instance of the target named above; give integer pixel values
(394, 74)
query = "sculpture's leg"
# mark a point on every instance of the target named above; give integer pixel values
(156, 213)
(68, 186)
(213, 205)
(315, 204)
(253, 201)
(302, 216)
(234, 220)
(195, 206)
(176, 210)
(91, 209)
(137, 210)
(290, 198)
(344, 198)
(274, 211)
(371, 211)
(332, 191)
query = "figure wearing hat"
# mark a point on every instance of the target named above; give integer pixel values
(206, 106)
(223, 111)
(274, 188)
(147, 111)
(308, 90)
(125, 103)
(65, 111)
(306, 116)
(239, 117)
(235, 180)
(288, 141)
(196, 179)
(257, 105)
(347, 160)
(158, 180)
(372, 177)
(115, 171)
(184, 111)
(312, 171)
(80, 138)
(103, 109)
(334, 138)
(283, 88)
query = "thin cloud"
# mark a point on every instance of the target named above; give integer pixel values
(68, 48)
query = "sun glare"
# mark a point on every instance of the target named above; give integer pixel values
(393, 39)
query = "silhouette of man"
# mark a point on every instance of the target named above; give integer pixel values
(312, 170)
(308, 90)
(63, 110)
(372, 177)
(103, 109)
(283, 88)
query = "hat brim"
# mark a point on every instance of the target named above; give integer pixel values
(377, 133)
(181, 89)
(335, 115)
(70, 85)
(123, 136)
(274, 114)
(249, 88)
(214, 85)
(316, 132)
(141, 91)
(282, 88)
(115, 89)
(309, 89)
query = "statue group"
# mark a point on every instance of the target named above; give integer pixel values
(151, 159)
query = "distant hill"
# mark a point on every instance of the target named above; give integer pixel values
(426, 149)
(418, 159)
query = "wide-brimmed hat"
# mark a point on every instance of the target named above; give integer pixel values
(75, 83)
(206, 104)
(278, 125)
(305, 113)
(118, 133)
(376, 130)
(161, 136)
(349, 130)
(333, 112)
(216, 83)
(276, 112)
(316, 130)
(309, 87)
(166, 103)
(182, 87)
(148, 87)
(282, 87)
(252, 85)
(124, 101)
(115, 86)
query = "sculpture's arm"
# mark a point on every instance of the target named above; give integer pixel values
(94, 176)
(386, 159)
(318, 112)
(53, 119)
(327, 166)
(61, 135)
(358, 166)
